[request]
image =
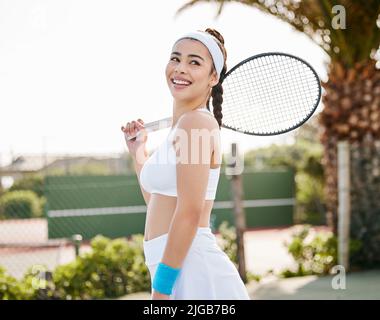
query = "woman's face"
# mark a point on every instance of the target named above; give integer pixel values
(188, 70)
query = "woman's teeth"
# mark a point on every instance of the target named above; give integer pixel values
(181, 82)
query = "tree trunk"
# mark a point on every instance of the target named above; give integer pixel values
(352, 112)
(240, 224)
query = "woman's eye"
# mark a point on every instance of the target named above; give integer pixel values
(191, 62)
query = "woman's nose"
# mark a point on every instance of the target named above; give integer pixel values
(180, 68)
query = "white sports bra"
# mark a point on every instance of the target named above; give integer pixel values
(158, 174)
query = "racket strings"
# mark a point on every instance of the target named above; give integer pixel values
(277, 100)
(269, 94)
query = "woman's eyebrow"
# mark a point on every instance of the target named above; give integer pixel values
(190, 55)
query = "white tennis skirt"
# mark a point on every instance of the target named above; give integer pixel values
(207, 272)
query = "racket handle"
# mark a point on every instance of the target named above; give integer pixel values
(153, 126)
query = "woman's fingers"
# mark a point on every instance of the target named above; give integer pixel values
(132, 127)
(126, 128)
(140, 126)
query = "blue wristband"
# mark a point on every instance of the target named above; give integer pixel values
(165, 278)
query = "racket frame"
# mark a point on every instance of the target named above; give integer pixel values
(278, 54)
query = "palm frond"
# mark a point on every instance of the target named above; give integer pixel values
(314, 19)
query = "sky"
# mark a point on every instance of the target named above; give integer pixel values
(73, 72)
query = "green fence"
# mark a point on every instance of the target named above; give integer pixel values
(114, 207)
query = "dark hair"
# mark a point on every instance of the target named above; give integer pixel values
(217, 90)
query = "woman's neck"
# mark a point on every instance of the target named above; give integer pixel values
(179, 108)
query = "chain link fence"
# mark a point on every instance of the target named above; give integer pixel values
(24, 232)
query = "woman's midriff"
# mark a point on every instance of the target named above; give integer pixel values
(160, 214)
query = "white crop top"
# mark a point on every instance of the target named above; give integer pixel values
(158, 174)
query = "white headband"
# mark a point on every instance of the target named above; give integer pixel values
(210, 42)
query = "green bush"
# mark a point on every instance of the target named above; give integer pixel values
(310, 208)
(33, 183)
(111, 269)
(11, 289)
(20, 205)
(228, 241)
(315, 253)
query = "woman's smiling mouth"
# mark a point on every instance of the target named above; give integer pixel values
(180, 83)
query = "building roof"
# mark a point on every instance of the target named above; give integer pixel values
(35, 163)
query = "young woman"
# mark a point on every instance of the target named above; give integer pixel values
(179, 180)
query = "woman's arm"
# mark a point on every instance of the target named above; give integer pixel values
(137, 149)
(192, 181)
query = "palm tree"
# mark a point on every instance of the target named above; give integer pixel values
(351, 103)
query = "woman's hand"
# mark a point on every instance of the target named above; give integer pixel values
(137, 144)
(159, 296)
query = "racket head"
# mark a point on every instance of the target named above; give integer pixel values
(269, 94)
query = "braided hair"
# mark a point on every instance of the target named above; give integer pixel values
(217, 90)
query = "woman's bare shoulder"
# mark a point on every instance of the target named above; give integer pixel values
(196, 119)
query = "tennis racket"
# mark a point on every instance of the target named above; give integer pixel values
(264, 95)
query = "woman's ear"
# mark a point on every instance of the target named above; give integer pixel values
(214, 79)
